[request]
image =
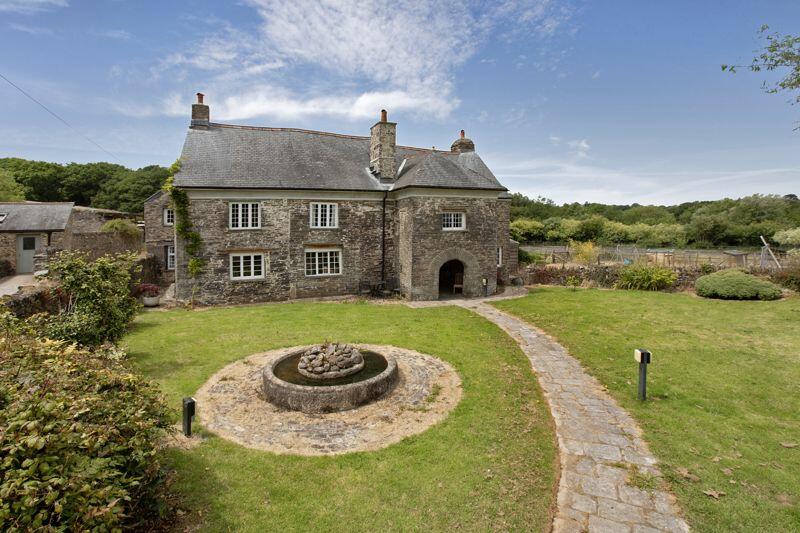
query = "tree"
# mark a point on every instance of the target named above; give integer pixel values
(10, 190)
(780, 52)
(82, 182)
(41, 180)
(128, 189)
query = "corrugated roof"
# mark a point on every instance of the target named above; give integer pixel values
(29, 216)
(227, 156)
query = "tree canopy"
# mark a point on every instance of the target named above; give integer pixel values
(105, 185)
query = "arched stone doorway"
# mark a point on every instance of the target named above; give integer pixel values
(451, 278)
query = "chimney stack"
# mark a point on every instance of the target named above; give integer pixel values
(200, 113)
(462, 144)
(382, 148)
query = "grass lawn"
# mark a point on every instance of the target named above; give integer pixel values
(489, 465)
(724, 391)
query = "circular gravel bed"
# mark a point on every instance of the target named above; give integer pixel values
(231, 405)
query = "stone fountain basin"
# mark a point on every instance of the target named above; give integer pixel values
(326, 399)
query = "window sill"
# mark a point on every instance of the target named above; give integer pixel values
(323, 275)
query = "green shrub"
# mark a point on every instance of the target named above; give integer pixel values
(123, 226)
(734, 284)
(527, 230)
(584, 253)
(645, 278)
(78, 438)
(100, 305)
(528, 258)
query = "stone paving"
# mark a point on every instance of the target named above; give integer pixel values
(600, 445)
(230, 405)
(11, 284)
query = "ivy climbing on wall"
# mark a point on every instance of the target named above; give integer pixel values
(183, 224)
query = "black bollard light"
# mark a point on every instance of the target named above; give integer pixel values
(643, 358)
(188, 413)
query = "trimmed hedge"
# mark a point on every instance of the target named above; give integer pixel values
(736, 285)
(78, 437)
(646, 278)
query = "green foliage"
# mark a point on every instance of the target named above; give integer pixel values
(585, 253)
(788, 276)
(527, 258)
(100, 305)
(527, 230)
(10, 190)
(122, 225)
(734, 284)
(573, 282)
(789, 237)
(130, 188)
(646, 278)
(104, 185)
(780, 52)
(78, 445)
(719, 223)
(183, 224)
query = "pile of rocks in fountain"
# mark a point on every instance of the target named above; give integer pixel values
(330, 361)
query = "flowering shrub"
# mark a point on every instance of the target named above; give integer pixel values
(148, 289)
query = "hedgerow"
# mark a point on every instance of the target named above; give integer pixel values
(78, 436)
(734, 284)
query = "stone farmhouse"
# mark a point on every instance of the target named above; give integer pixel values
(289, 213)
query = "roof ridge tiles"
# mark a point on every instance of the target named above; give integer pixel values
(327, 133)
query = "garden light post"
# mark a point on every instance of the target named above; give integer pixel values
(188, 413)
(643, 358)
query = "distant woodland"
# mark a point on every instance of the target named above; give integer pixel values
(708, 223)
(104, 185)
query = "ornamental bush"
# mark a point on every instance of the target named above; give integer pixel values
(788, 276)
(734, 284)
(122, 226)
(78, 437)
(98, 294)
(645, 278)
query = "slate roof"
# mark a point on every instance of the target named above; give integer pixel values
(246, 157)
(32, 216)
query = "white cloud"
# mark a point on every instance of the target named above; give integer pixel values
(596, 75)
(121, 35)
(32, 30)
(28, 7)
(580, 146)
(348, 58)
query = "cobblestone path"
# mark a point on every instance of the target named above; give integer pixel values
(599, 443)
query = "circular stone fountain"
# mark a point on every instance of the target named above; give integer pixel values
(328, 378)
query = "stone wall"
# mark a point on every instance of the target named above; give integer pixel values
(8, 246)
(157, 235)
(284, 236)
(425, 247)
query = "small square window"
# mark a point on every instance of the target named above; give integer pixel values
(323, 262)
(244, 215)
(324, 215)
(247, 266)
(453, 221)
(169, 217)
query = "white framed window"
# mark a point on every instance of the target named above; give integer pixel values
(499, 256)
(169, 216)
(324, 215)
(453, 221)
(247, 266)
(169, 252)
(244, 215)
(323, 262)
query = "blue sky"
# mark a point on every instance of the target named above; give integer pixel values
(577, 100)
